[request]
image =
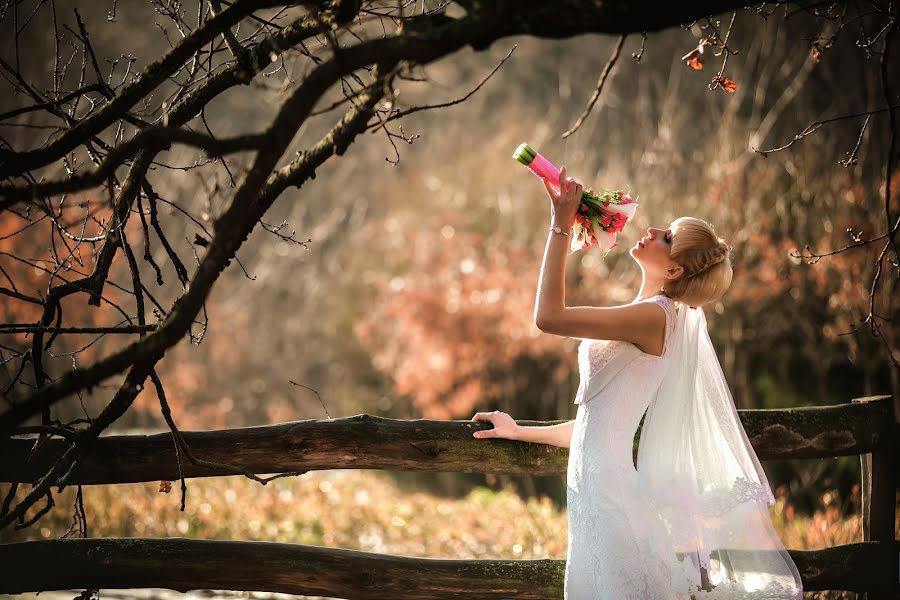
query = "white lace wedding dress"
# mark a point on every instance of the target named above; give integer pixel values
(608, 557)
(621, 544)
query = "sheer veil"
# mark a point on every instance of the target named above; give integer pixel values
(703, 480)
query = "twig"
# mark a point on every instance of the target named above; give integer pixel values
(181, 446)
(812, 127)
(397, 113)
(851, 159)
(603, 75)
(24, 328)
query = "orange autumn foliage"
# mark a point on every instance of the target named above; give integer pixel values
(452, 330)
(36, 257)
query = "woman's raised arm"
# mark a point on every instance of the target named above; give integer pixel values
(641, 323)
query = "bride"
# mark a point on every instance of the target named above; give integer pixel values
(691, 521)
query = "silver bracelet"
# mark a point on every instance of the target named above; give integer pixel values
(558, 229)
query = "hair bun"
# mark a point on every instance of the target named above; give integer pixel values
(698, 249)
(723, 250)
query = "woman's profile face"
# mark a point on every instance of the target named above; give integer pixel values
(654, 251)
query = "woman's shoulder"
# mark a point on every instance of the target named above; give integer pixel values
(668, 305)
(662, 300)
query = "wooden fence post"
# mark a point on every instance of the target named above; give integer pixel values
(878, 476)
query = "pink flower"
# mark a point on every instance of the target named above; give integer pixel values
(605, 240)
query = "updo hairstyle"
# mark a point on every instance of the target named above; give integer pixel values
(705, 259)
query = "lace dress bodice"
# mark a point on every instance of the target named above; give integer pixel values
(629, 394)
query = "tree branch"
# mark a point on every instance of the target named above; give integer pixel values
(158, 136)
(14, 163)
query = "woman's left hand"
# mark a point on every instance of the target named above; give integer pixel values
(564, 204)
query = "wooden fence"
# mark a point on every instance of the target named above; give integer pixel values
(865, 427)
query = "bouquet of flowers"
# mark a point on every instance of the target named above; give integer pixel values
(601, 215)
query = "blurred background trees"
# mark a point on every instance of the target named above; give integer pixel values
(414, 295)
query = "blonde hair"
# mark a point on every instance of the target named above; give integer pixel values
(705, 259)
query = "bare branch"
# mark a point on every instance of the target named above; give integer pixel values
(24, 328)
(12, 163)
(397, 113)
(603, 75)
(155, 136)
(812, 127)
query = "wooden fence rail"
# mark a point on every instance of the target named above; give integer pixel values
(371, 442)
(865, 426)
(184, 564)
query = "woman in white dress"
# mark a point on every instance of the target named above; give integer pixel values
(692, 520)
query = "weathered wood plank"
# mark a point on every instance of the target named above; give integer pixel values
(878, 474)
(184, 564)
(371, 442)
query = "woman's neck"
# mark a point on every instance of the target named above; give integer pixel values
(648, 290)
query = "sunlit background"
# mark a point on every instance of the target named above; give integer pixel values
(415, 296)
